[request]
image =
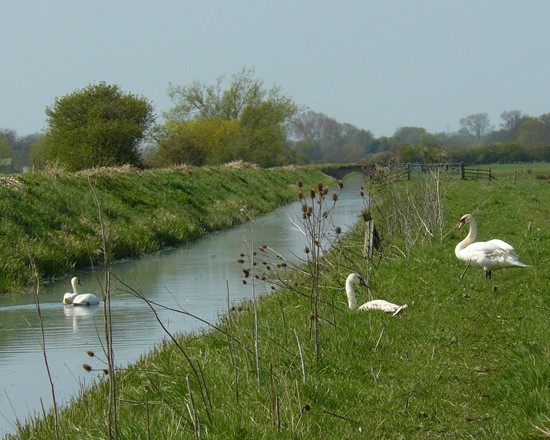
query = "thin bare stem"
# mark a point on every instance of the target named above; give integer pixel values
(301, 357)
(44, 352)
(107, 316)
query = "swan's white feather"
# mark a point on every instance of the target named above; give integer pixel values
(490, 255)
(376, 304)
(79, 299)
(85, 299)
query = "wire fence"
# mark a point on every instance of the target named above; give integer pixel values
(403, 171)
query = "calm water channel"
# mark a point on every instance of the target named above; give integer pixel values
(193, 277)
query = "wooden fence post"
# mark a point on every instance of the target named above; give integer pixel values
(462, 172)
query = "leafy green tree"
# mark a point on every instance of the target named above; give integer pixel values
(535, 131)
(407, 153)
(412, 135)
(6, 155)
(40, 151)
(6, 151)
(99, 125)
(259, 118)
(200, 142)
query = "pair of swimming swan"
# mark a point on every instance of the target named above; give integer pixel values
(490, 255)
(79, 299)
(376, 304)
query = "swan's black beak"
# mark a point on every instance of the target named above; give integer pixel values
(461, 223)
(362, 282)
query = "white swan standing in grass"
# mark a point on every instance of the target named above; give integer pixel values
(490, 255)
(79, 299)
(376, 304)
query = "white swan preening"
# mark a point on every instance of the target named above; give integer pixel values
(376, 304)
(490, 255)
(79, 299)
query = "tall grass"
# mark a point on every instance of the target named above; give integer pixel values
(469, 358)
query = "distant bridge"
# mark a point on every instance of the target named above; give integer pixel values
(338, 172)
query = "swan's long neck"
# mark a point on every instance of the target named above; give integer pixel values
(74, 283)
(470, 238)
(350, 292)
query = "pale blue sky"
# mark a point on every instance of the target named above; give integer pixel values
(378, 65)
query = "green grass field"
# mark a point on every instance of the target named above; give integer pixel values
(470, 358)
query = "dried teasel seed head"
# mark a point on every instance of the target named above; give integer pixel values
(90, 353)
(300, 195)
(87, 367)
(334, 197)
(325, 191)
(105, 372)
(304, 208)
(338, 230)
(306, 250)
(312, 194)
(320, 186)
(362, 194)
(240, 261)
(340, 184)
(244, 281)
(300, 183)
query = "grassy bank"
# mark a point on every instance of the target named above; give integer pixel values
(468, 359)
(51, 219)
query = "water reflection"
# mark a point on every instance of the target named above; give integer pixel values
(198, 278)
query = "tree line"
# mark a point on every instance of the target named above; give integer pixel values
(241, 119)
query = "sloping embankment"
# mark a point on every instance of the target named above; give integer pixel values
(51, 224)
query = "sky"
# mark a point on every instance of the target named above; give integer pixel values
(377, 64)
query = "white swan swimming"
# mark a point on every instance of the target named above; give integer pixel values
(79, 299)
(490, 255)
(376, 304)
